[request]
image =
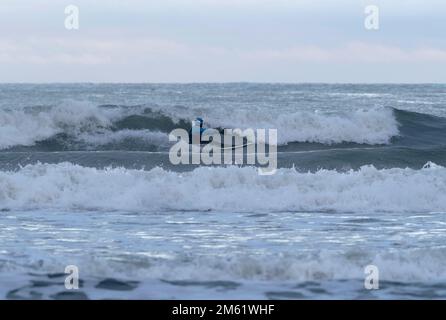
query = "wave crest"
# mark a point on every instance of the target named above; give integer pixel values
(27, 126)
(374, 126)
(66, 186)
(76, 120)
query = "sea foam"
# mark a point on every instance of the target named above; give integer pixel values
(65, 186)
(84, 121)
(27, 126)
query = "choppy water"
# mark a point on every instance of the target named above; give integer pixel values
(85, 179)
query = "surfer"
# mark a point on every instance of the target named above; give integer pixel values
(197, 129)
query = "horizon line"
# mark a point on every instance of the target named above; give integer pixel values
(221, 82)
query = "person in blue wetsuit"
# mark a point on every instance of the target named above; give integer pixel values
(197, 128)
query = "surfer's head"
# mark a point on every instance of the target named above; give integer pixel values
(199, 121)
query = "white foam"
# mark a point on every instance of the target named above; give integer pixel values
(372, 126)
(405, 265)
(66, 186)
(26, 127)
(321, 265)
(101, 138)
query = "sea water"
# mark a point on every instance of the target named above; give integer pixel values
(85, 180)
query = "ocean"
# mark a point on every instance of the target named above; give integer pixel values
(85, 180)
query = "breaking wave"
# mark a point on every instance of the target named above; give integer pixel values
(76, 121)
(66, 186)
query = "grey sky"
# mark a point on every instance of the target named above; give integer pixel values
(227, 40)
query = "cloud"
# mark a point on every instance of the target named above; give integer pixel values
(213, 40)
(91, 51)
(88, 51)
(353, 52)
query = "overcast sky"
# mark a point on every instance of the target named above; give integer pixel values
(222, 41)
